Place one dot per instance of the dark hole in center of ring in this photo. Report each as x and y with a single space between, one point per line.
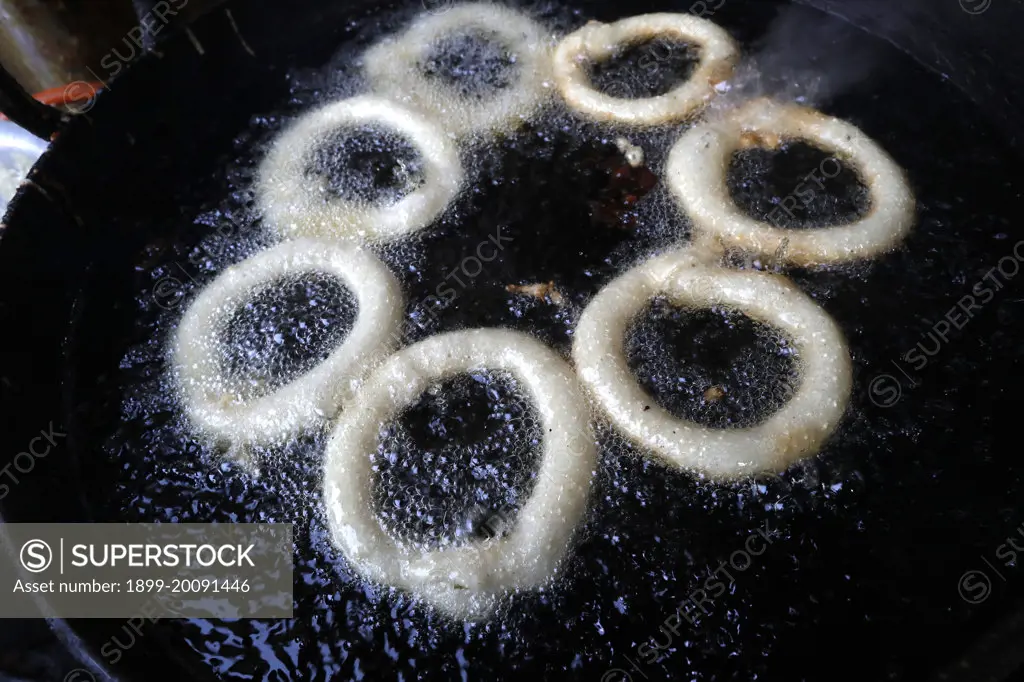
366 163
475 63
645 69
796 185
715 367
284 329
456 466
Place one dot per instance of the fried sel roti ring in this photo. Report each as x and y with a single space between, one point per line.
217 403
395 68
464 581
296 205
796 430
597 42
699 162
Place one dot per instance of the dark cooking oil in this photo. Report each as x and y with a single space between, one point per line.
860 547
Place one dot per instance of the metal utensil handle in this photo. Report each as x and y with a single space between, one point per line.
19 106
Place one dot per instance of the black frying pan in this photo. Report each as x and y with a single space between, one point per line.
873 536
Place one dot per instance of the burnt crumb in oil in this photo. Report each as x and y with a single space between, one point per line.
625 186
648 69
715 367
558 180
797 186
457 464
564 204
286 328
476 63
366 163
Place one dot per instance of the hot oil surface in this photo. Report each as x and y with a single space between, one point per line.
285 329
473 62
456 465
828 192
368 163
648 69
564 208
714 367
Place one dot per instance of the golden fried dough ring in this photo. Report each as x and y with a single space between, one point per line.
696 174
395 68
596 42
296 205
215 402
464 581
797 430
